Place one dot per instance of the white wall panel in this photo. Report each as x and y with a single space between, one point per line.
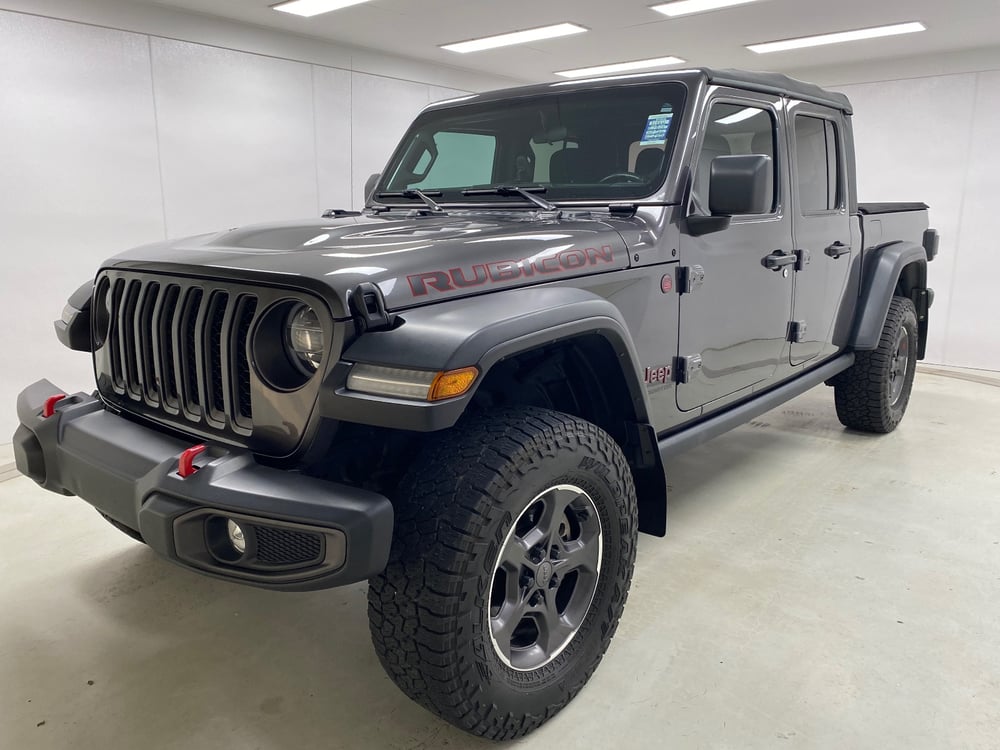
332 97
381 110
79 182
973 335
237 137
440 93
913 145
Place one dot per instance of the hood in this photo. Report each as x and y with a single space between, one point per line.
414 260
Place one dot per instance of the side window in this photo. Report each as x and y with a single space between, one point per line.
733 130
817 164
461 159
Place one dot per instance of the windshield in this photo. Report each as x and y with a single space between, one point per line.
605 145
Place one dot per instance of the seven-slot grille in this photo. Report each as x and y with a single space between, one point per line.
180 347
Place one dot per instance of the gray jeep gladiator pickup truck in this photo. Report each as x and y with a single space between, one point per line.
467 392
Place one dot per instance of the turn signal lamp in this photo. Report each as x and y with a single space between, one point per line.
452 383
418 385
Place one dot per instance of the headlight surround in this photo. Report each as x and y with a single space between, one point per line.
304 339
291 341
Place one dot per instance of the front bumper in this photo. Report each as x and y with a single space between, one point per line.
330 534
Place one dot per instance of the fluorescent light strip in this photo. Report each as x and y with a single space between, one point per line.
515 37
308 8
658 62
622 77
837 38
686 7
743 114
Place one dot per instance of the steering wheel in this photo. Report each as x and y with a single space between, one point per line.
622 177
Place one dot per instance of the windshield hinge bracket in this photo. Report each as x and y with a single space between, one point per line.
624 210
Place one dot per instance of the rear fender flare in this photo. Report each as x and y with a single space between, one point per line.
885 267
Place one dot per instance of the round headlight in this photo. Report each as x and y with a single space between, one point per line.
305 340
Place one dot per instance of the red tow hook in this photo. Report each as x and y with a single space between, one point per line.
50 405
185 464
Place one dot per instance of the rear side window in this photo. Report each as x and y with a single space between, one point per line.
732 130
817 164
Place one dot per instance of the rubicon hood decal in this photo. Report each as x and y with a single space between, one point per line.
414 260
555 260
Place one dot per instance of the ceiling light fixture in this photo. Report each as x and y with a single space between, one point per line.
658 62
515 37
837 37
743 114
687 7
308 8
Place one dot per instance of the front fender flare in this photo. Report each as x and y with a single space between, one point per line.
480 331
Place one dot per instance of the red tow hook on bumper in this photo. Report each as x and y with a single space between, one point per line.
185 464
50 405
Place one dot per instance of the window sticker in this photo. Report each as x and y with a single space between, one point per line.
657 128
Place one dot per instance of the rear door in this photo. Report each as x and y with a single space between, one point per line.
822 229
733 321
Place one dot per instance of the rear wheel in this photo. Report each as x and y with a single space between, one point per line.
872 395
514 547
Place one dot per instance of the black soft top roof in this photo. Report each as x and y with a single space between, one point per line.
768 83
776 83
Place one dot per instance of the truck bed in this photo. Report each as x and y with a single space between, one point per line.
890 222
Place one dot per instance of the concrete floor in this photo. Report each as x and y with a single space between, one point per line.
818 589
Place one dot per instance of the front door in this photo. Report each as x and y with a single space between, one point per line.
733 325
822 228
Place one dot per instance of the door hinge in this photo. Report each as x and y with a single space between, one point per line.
796 331
685 368
802 259
689 278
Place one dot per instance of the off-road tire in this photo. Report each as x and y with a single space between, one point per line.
429 611
127 531
864 392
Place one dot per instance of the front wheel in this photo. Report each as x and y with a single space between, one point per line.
513 552
872 395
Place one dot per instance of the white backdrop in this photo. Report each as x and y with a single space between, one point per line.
111 139
937 139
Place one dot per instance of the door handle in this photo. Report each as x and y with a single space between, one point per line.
837 249
779 259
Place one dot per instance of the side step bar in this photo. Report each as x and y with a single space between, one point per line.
716 424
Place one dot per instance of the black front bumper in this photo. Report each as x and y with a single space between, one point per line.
130 473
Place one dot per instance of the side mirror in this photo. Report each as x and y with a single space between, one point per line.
741 185
370 185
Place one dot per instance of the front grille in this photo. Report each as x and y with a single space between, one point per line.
286 547
179 348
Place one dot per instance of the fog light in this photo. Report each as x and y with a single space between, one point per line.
236 537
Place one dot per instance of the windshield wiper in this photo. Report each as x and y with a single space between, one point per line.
414 193
507 190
